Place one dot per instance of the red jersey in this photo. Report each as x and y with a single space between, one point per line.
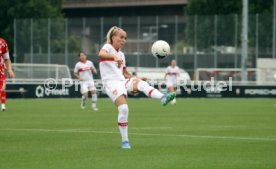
4 54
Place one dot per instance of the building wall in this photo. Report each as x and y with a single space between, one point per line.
97 8
118 3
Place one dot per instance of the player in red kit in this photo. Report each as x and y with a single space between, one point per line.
5 63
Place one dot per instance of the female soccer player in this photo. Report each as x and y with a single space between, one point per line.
118 81
172 72
83 72
5 63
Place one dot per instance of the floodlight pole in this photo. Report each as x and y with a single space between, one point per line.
244 40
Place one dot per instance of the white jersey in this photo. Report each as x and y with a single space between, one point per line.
84 70
110 70
172 73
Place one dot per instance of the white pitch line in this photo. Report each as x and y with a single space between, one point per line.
150 128
237 126
143 134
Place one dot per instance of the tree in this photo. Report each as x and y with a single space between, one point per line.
12 9
228 15
23 9
212 7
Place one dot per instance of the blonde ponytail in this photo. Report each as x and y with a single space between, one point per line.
112 31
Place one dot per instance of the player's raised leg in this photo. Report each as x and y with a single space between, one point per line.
150 91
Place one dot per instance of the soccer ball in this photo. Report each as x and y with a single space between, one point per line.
160 49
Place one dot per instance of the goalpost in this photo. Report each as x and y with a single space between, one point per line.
33 73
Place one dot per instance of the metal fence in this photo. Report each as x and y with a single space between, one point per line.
196 41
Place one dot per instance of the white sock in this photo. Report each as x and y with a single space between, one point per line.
149 90
123 121
94 100
173 101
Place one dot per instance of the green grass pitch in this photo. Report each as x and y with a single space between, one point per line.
194 134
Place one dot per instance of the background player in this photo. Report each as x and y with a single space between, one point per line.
5 63
172 72
114 73
83 71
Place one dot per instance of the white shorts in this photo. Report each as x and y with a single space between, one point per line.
115 89
170 83
87 86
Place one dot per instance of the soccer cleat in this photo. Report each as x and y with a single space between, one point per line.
126 145
95 109
3 107
167 98
173 102
82 104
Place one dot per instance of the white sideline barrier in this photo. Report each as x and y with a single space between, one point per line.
156 73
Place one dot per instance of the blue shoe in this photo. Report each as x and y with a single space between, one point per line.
126 145
167 98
